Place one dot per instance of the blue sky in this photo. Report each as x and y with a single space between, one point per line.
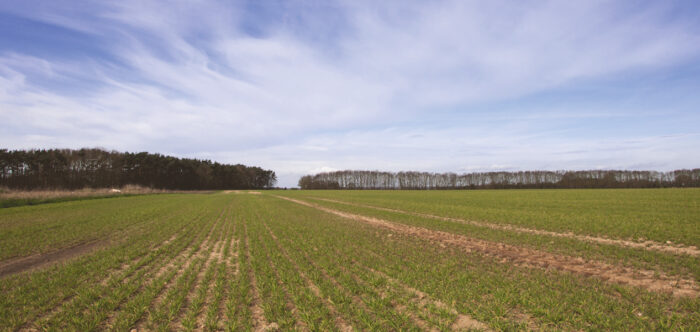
307 86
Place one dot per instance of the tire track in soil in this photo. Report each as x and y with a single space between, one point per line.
645 245
340 322
113 276
160 296
28 263
260 323
650 280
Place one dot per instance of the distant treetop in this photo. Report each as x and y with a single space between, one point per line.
501 180
97 168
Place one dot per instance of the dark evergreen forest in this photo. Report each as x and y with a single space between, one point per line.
501 180
97 168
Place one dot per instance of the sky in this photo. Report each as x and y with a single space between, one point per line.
302 87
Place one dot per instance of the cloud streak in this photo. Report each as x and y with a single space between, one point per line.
446 86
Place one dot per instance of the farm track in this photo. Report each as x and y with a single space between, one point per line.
23 264
525 257
645 245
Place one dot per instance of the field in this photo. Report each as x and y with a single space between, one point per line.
355 260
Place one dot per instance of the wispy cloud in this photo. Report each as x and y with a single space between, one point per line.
449 85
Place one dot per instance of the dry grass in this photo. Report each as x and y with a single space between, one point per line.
6 193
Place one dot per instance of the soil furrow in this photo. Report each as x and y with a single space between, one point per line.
199 283
650 280
212 300
646 245
160 296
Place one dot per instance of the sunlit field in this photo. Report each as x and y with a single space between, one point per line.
355 260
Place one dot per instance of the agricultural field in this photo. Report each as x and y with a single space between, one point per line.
355 260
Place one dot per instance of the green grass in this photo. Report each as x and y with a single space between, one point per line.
190 262
655 214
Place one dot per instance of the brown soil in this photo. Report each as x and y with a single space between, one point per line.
22 264
646 245
196 285
531 258
203 246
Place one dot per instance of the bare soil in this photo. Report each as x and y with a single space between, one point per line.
22 264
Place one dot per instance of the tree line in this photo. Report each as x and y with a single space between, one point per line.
97 168
350 179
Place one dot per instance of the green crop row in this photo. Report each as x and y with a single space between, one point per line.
242 262
498 294
653 214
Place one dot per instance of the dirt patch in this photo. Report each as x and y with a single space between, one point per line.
22 264
646 245
254 192
531 258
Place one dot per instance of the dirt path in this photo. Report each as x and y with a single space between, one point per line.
646 245
22 264
650 280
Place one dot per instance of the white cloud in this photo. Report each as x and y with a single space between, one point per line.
187 79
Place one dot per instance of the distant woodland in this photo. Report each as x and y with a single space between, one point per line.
96 168
501 180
